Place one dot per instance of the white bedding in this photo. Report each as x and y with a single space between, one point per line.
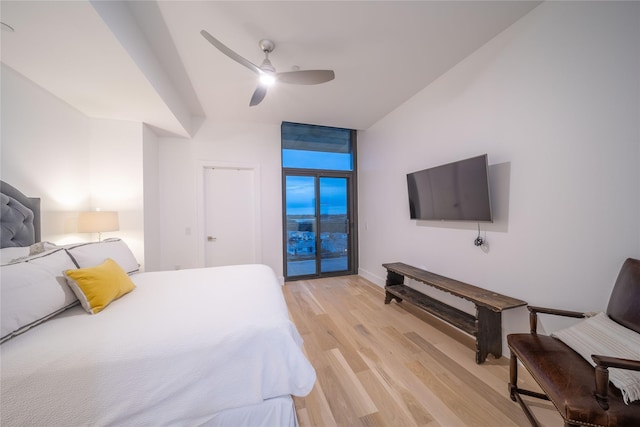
181 347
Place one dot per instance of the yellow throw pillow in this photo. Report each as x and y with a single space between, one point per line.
98 286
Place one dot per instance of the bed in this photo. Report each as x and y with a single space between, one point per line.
208 346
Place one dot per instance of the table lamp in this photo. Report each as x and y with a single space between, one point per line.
98 222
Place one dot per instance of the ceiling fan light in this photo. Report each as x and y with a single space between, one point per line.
267 79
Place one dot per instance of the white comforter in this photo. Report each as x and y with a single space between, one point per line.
179 348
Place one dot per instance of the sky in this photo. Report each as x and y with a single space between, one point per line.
301 197
305 159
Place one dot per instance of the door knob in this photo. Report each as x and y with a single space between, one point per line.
211 238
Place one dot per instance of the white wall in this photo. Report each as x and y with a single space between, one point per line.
73 163
117 178
45 152
181 162
555 102
152 226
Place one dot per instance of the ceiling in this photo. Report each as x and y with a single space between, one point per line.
146 60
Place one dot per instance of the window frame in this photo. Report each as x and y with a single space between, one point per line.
352 210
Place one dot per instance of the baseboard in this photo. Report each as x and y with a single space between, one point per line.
371 277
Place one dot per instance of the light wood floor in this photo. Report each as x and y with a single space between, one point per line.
393 365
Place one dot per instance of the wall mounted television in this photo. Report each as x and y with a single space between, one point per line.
457 191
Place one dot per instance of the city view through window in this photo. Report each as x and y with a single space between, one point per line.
302 225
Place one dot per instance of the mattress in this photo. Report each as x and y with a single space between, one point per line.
182 346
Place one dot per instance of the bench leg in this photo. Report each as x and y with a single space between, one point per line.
489 339
388 296
394 278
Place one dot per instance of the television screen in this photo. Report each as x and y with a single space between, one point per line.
456 191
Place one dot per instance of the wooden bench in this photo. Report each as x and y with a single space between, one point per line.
485 326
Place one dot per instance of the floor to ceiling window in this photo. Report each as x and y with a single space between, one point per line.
319 201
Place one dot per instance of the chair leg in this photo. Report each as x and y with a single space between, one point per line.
513 377
514 391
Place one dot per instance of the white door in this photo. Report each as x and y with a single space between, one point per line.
230 236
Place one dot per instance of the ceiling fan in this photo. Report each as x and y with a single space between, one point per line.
267 72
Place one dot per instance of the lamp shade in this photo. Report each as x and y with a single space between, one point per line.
98 221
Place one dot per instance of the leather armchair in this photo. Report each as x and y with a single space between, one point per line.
581 393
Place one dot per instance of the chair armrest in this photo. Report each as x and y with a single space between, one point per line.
603 363
616 362
533 315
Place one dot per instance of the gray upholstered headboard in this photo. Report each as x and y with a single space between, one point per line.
19 217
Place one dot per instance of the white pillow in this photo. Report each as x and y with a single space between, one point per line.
40 247
12 253
95 253
34 290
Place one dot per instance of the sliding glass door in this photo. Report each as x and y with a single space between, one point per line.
301 219
334 224
318 222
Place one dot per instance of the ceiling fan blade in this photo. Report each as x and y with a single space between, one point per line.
306 77
258 95
231 54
